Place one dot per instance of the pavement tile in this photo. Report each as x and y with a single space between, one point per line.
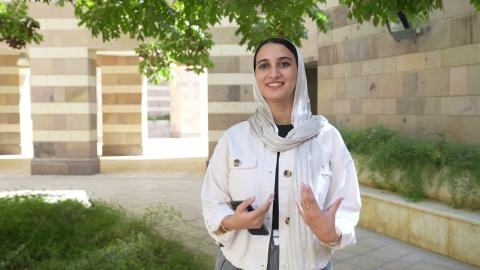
374 243
398 264
358 248
397 250
382 255
427 266
341 255
414 257
364 262
346 266
447 262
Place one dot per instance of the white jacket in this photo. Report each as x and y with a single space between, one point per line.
241 167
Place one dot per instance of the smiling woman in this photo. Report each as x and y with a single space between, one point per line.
276 75
283 181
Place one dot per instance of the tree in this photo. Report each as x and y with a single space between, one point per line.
16 28
176 31
379 12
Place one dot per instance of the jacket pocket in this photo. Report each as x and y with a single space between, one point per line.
321 184
241 178
325 171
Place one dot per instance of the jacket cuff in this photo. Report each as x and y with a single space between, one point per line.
348 234
214 225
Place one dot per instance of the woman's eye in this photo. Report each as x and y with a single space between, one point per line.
262 66
284 64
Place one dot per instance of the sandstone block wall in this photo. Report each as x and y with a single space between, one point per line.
366 78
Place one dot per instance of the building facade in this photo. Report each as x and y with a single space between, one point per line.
358 77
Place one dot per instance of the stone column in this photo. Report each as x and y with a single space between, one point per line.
9 105
230 95
121 105
63 95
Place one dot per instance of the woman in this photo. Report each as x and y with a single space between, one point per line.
291 167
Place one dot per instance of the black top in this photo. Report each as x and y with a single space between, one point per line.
282 132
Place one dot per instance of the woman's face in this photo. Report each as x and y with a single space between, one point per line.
276 73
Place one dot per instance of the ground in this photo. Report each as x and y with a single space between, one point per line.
138 184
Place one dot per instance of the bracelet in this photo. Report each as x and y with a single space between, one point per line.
333 243
224 230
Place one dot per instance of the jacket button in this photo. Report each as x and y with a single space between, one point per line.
287 173
237 162
287 220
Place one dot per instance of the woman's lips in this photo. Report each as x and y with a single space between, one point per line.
275 84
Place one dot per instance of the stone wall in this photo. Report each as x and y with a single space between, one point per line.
121 105
63 95
230 96
365 78
9 105
429 225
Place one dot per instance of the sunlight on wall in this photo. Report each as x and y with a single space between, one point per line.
25 114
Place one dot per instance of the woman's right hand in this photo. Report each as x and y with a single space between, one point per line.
243 219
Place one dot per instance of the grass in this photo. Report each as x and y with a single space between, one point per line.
67 235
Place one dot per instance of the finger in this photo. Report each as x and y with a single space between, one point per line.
243 206
310 196
263 209
304 195
334 207
300 210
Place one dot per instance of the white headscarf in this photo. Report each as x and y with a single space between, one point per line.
301 250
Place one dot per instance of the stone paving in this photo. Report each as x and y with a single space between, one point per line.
138 184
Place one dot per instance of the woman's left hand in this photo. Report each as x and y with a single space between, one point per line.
322 223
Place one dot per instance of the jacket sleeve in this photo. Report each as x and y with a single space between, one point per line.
344 184
215 194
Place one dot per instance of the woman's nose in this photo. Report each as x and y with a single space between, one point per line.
274 72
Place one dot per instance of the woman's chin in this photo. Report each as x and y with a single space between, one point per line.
278 98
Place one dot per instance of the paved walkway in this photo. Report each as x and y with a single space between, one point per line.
138 184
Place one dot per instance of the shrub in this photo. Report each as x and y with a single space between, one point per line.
413 163
67 235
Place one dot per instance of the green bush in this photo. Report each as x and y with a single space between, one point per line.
67 235
413 163
159 117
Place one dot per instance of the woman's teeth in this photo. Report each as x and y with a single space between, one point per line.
275 84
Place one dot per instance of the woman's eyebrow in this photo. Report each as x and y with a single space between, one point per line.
280 58
262 60
285 57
